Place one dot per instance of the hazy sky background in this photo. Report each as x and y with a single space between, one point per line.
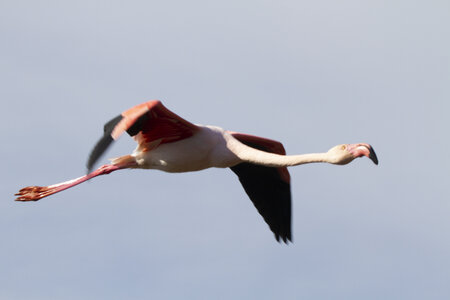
311 74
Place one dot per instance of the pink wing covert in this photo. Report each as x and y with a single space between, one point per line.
150 123
154 121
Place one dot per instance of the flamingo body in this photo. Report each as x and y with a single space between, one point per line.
207 148
169 143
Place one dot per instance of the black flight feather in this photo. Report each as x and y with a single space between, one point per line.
103 143
270 194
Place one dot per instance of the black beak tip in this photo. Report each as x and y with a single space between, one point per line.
373 156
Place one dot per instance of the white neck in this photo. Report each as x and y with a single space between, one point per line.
255 156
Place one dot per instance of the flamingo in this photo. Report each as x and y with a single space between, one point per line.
169 143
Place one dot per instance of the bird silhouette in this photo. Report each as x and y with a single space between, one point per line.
169 143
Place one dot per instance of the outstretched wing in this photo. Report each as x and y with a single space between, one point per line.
150 123
268 188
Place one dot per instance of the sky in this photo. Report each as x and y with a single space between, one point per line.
311 74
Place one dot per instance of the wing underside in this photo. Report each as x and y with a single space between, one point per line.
267 187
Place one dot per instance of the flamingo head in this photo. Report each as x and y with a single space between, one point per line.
345 153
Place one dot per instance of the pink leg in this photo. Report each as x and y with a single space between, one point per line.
35 193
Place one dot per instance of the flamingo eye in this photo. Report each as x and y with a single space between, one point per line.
343 147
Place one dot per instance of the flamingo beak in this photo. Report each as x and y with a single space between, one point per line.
363 149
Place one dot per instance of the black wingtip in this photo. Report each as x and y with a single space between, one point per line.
286 239
103 143
98 150
109 127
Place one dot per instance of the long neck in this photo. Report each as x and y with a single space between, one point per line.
258 157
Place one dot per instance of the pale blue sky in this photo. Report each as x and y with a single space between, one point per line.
311 74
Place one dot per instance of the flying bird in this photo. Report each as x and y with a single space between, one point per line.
169 143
